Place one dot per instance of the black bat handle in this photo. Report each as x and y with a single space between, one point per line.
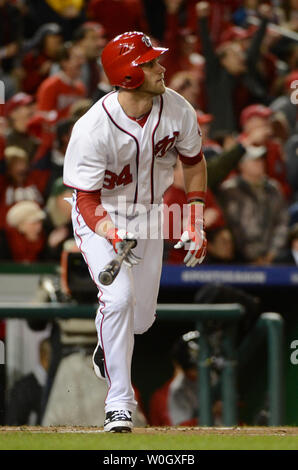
111 270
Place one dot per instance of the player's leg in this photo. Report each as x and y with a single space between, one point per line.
114 319
146 277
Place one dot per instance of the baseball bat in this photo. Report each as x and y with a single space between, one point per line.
111 270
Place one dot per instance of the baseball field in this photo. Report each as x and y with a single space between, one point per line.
174 438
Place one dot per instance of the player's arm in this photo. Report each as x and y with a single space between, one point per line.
195 180
100 222
93 213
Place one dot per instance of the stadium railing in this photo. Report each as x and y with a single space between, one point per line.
270 324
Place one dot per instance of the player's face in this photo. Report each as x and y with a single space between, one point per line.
154 78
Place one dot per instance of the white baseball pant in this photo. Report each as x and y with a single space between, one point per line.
126 307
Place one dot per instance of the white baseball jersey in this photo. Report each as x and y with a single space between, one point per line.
110 152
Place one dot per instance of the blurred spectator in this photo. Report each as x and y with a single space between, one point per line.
186 83
232 77
17 164
67 8
287 107
24 231
291 154
19 111
285 47
91 38
42 52
58 223
290 254
220 247
293 242
183 14
118 16
103 87
239 35
63 132
255 211
25 397
222 164
79 108
32 132
218 293
289 18
182 43
69 14
176 402
248 9
21 182
256 120
10 37
59 91
210 147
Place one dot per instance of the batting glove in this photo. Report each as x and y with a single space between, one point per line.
118 238
194 236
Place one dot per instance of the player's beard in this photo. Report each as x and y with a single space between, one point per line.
154 89
161 87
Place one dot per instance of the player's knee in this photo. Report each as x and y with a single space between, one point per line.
141 327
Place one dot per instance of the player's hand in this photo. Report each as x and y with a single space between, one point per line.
194 236
118 238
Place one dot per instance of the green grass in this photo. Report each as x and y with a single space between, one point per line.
96 441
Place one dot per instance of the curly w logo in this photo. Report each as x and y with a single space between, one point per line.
125 49
165 144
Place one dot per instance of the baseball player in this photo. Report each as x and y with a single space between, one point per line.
124 150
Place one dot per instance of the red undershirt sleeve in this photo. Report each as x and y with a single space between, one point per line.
89 205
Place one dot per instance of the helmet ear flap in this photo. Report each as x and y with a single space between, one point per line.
133 78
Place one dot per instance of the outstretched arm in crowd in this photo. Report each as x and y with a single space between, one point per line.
212 62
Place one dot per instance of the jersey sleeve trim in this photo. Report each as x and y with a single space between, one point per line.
191 160
79 189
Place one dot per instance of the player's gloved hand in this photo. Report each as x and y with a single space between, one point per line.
194 235
118 238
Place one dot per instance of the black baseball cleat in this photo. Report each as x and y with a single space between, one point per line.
99 363
118 421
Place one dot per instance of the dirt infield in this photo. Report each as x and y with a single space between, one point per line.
233 431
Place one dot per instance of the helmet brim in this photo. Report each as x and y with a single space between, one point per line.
150 55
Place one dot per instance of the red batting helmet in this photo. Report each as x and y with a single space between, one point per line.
122 56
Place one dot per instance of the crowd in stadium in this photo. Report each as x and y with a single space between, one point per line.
234 61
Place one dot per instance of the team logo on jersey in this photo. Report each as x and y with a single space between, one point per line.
147 41
165 144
